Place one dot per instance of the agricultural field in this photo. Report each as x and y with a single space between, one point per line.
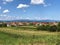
27 36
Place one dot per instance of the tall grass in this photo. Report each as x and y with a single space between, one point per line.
9 36
13 39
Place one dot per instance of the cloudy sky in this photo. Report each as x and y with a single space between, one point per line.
29 9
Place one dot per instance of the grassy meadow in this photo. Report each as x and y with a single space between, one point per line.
27 36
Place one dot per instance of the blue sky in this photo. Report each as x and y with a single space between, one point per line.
29 9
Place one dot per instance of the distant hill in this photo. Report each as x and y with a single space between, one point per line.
26 20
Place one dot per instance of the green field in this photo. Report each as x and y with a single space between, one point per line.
27 36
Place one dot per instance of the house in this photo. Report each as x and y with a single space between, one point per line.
28 23
19 24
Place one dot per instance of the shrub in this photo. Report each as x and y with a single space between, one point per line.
0 25
42 27
58 24
38 27
58 27
3 25
53 28
47 27
31 24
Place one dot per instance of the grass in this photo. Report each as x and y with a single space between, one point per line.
10 36
24 28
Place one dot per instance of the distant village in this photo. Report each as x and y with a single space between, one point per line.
27 23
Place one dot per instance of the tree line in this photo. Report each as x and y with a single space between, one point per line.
53 28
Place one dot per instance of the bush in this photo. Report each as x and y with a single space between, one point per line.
58 24
53 28
0 25
58 27
47 27
42 27
38 27
31 24
3 25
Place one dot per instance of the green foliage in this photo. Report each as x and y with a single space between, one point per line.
58 42
0 25
53 28
58 27
31 24
58 24
3 25
42 27
47 28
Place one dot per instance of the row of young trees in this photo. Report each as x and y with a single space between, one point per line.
54 28
3 25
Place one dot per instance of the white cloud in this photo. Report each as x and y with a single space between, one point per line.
5 1
6 11
0 7
24 10
22 6
37 2
9 17
45 5
2 15
9 0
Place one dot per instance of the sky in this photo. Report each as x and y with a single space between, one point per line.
29 9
